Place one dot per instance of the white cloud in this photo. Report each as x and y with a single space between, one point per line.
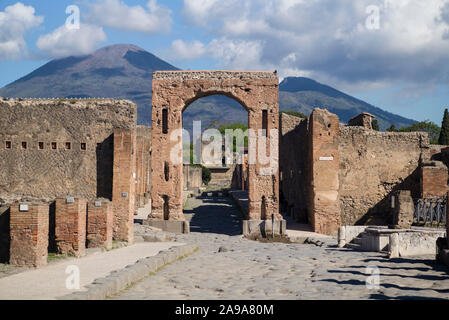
15 22
328 39
64 42
116 14
187 51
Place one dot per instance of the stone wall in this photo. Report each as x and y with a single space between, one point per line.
293 153
434 178
124 184
70 226
323 181
57 148
373 165
29 234
192 177
99 224
173 92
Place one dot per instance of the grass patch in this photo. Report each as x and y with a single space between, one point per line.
56 257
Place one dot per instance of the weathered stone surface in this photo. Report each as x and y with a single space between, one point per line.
100 224
403 210
27 170
434 178
29 234
293 166
324 205
174 92
372 166
70 226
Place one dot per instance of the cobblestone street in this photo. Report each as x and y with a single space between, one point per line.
227 266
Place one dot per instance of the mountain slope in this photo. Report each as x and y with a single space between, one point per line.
124 71
303 95
118 71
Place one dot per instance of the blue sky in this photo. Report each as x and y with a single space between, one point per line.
393 54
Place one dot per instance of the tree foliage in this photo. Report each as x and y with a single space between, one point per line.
424 126
444 135
375 125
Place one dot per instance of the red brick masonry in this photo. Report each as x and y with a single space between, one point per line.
29 234
71 226
99 224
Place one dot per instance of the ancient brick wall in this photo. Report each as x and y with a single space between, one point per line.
124 184
434 178
99 224
70 226
29 234
57 148
293 166
373 165
324 184
173 91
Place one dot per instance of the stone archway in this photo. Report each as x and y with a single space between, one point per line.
173 91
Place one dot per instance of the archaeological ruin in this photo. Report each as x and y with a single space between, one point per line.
73 172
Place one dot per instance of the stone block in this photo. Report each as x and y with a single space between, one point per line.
403 210
171 226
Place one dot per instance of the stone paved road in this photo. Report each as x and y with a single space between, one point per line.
254 270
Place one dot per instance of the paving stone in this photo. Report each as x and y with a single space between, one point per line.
254 270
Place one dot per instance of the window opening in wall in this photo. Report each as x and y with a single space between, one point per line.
164 121
68 145
41 146
166 208
265 122
83 146
166 171
8 145
263 209
24 145
54 145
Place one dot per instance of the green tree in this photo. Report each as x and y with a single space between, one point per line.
375 125
392 128
425 126
234 126
444 135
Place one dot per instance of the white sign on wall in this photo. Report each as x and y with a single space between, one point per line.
326 158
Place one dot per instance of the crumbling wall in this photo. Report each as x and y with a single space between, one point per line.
58 147
143 165
372 166
293 157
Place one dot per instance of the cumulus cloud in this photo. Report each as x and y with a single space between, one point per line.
15 22
116 14
64 42
330 39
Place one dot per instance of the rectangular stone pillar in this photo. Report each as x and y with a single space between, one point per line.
124 184
324 205
29 234
403 209
99 224
70 226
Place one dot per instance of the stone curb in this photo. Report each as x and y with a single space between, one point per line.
117 281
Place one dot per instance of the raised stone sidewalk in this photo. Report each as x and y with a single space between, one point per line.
49 282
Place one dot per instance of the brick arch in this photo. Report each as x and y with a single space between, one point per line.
174 91
208 93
